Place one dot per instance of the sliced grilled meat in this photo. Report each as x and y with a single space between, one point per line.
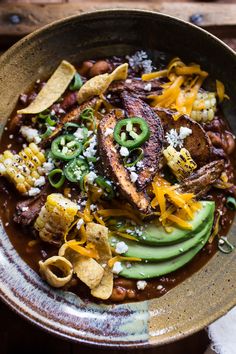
72 116
201 181
28 210
137 87
153 146
198 143
114 167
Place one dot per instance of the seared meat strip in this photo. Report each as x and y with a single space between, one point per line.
197 143
72 116
201 181
137 87
28 210
153 146
113 166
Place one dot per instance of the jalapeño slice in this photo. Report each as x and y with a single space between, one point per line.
66 147
75 169
131 132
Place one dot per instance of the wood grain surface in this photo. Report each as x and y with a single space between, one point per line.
21 19
18 19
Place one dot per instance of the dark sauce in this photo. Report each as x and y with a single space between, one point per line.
31 249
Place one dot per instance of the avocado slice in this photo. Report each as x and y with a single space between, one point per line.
156 235
141 270
155 253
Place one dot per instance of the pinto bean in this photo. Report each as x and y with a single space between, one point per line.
69 100
230 142
118 294
85 67
100 67
215 139
131 294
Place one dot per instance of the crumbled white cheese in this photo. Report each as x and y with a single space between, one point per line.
47 167
124 151
184 132
121 247
91 176
91 149
33 191
177 139
141 284
24 208
79 224
40 181
11 136
117 268
93 207
128 81
80 134
148 87
159 287
139 164
128 265
30 134
133 177
108 131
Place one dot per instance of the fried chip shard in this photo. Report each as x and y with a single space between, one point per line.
98 235
100 83
53 89
87 269
56 270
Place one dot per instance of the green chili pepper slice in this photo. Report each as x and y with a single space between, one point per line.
75 169
47 133
106 186
51 120
76 83
56 178
66 147
87 116
231 203
134 157
131 132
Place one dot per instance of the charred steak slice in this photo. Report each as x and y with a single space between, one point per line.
153 146
113 166
28 209
198 143
72 116
201 181
137 87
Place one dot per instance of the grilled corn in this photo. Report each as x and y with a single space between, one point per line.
180 162
23 170
204 107
55 218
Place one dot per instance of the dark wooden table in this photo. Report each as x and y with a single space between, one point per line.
16 20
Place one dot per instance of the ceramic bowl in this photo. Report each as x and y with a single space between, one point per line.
200 299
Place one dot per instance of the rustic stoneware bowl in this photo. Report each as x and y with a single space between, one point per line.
193 304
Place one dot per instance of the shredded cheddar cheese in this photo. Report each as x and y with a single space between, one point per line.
115 259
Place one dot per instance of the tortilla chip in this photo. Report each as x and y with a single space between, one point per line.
87 269
100 83
47 267
53 89
98 235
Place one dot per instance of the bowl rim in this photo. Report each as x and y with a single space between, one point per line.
10 302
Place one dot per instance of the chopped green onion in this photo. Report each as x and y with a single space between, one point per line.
56 178
71 125
87 115
47 133
231 203
135 152
51 121
106 186
76 83
224 245
44 114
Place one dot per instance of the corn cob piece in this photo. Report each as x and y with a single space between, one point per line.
180 162
55 218
204 107
22 169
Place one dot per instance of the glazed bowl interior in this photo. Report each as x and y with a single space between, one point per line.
194 303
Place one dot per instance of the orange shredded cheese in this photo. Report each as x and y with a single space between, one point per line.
174 206
87 251
118 212
154 75
115 259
